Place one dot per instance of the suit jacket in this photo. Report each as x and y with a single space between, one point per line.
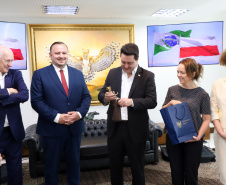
143 93
10 104
48 98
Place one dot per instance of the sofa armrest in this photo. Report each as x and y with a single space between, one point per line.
31 138
155 127
32 143
155 131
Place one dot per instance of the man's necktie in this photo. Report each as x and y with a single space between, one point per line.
63 80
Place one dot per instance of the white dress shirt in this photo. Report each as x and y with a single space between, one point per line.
2 86
125 89
65 70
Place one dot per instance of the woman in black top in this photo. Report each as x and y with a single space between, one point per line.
185 157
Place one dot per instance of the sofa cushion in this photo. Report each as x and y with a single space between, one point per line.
93 147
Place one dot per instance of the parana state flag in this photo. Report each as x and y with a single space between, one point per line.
165 41
189 47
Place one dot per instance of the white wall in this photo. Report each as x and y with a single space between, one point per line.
164 76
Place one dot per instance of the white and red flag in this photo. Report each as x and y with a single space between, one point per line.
14 45
193 47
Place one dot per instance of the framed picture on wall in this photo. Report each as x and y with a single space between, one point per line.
169 44
93 49
13 35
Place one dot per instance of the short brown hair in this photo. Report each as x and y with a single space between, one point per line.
222 59
192 66
58 42
130 49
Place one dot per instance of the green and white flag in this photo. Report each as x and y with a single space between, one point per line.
165 41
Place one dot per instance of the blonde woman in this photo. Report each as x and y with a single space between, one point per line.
218 117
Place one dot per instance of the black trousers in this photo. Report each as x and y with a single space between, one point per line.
119 145
184 161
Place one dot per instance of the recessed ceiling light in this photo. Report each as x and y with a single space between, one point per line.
62 10
169 12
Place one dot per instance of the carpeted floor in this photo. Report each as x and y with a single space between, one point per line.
155 175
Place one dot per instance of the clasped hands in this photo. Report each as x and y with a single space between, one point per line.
69 118
123 102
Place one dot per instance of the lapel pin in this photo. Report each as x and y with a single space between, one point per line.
138 75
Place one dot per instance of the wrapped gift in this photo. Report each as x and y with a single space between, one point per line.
179 123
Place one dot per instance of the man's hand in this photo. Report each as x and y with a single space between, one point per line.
72 117
109 96
62 119
0 159
125 102
12 91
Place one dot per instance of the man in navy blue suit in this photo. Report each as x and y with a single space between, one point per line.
13 91
60 96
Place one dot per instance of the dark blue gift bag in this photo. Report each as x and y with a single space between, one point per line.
178 123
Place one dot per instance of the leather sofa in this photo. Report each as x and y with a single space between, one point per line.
93 152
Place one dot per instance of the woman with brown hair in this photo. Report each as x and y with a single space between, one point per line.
185 157
218 117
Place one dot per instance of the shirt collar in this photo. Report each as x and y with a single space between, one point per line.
58 69
2 76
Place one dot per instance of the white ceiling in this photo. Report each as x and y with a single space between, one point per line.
115 9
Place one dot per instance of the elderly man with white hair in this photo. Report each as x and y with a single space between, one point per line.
13 91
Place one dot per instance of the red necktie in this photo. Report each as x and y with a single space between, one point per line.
63 80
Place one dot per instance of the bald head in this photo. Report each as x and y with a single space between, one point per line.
6 58
6 50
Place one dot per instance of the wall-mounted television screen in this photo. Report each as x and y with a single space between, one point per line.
13 35
169 44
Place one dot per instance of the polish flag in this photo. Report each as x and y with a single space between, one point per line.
14 45
206 46
17 54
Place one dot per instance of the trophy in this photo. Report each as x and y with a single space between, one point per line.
116 115
109 90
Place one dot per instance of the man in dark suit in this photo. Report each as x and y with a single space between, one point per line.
60 96
136 89
13 91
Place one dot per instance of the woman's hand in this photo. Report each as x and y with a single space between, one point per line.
193 140
218 127
172 102
175 102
